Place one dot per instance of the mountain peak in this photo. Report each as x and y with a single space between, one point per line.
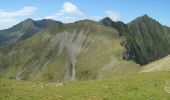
29 19
106 19
28 22
145 15
144 19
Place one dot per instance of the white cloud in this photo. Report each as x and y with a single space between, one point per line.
115 16
71 9
22 12
8 18
68 13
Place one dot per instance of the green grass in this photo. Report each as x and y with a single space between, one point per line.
143 86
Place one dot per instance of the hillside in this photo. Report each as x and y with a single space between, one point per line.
158 65
78 51
147 39
84 50
24 30
143 86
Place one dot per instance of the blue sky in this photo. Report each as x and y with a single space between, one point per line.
14 11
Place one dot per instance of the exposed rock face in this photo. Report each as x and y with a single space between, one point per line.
73 45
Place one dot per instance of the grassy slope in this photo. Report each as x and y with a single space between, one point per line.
38 58
143 86
159 65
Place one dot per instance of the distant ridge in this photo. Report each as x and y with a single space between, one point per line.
24 30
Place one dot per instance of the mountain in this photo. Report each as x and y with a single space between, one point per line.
24 30
120 26
82 50
147 39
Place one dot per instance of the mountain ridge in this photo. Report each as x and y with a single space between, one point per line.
24 30
147 39
75 51
85 50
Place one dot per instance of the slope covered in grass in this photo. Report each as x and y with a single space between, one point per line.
159 65
143 86
78 51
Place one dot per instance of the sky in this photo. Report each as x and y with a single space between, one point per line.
15 11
